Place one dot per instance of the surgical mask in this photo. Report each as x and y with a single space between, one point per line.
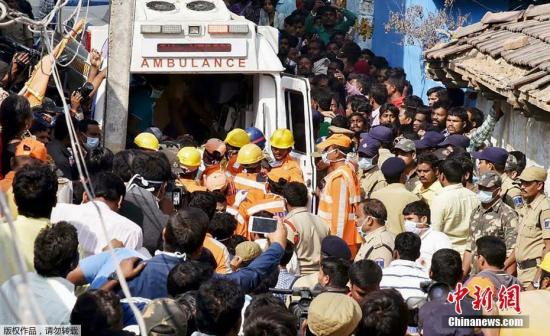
485 196
324 158
365 163
92 143
411 226
156 93
360 231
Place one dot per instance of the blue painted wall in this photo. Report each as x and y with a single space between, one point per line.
410 57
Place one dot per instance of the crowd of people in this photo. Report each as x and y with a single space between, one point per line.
411 197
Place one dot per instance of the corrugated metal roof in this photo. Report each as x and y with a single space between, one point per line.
485 54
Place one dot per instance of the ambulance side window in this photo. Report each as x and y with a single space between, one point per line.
294 105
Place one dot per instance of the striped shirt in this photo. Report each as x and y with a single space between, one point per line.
405 276
85 218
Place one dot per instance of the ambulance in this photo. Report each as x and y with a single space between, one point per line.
217 71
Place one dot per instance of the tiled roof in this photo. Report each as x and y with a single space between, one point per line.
507 53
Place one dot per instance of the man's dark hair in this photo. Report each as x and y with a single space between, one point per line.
123 163
397 82
339 64
521 160
292 40
377 209
493 249
99 160
379 62
35 191
270 321
188 276
263 300
365 274
295 194
384 314
323 97
408 246
205 201
232 242
15 111
360 115
340 121
289 251
108 186
388 107
222 225
379 93
446 267
418 208
219 305
56 250
315 80
152 166
363 107
98 312
477 115
465 159
186 230
459 111
337 270
441 104
83 124
434 90
355 100
429 159
452 170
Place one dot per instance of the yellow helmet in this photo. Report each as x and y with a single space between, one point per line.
282 138
189 157
237 138
250 154
147 141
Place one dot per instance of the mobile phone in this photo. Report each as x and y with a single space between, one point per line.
262 225
176 197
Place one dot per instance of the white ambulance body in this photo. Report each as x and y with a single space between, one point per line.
203 40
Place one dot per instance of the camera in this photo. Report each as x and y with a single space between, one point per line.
85 90
300 308
435 291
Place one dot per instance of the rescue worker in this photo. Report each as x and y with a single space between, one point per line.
371 178
263 200
250 158
281 143
495 158
492 218
256 137
340 193
147 141
189 159
234 141
394 196
379 242
533 241
212 155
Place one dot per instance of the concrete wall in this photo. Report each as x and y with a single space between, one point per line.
410 57
516 132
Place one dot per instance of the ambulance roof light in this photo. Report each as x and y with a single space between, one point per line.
161 29
228 29
171 29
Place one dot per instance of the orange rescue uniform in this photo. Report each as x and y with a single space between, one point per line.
255 202
338 200
290 167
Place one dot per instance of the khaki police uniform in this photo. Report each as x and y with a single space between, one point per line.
378 247
532 230
370 181
510 193
395 198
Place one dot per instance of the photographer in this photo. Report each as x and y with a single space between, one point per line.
146 189
446 271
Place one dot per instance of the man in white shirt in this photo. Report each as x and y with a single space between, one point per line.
109 192
452 207
417 220
51 295
378 95
403 273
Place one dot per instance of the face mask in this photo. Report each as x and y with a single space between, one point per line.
410 226
156 93
365 163
92 143
324 158
485 196
360 231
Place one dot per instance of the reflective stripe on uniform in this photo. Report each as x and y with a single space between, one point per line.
248 183
265 206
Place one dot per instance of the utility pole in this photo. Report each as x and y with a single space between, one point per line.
121 26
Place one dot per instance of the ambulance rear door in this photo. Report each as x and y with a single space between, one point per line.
297 105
